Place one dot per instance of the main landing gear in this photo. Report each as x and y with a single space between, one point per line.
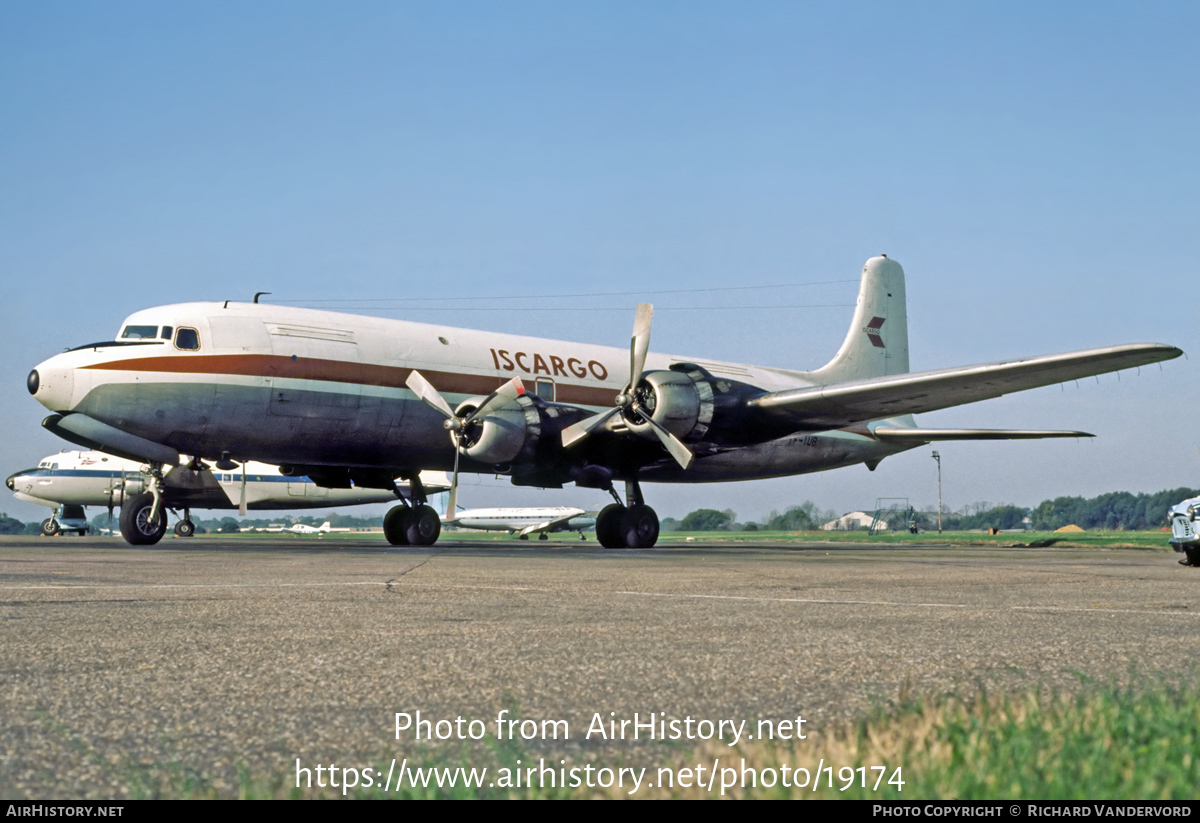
630 526
417 524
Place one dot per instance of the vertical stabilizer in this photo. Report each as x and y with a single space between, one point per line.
877 343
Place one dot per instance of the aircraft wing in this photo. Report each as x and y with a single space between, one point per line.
838 405
548 525
905 435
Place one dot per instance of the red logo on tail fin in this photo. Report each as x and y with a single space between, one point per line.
872 330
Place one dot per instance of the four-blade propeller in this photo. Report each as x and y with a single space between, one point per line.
628 402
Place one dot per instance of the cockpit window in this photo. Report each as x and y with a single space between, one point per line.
187 339
139 333
166 333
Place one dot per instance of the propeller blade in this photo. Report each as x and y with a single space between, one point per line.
452 502
501 397
242 500
577 431
423 389
682 454
639 344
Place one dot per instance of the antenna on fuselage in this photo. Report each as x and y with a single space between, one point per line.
259 294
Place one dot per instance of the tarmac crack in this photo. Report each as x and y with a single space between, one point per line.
388 585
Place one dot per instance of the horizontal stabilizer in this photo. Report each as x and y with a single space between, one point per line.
931 435
838 405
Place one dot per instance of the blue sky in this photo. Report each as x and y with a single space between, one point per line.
1031 165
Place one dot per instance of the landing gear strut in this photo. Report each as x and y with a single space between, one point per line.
412 525
632 526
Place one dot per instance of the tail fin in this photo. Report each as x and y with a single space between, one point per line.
877 343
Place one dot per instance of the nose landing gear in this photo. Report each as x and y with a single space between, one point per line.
143 522
143 516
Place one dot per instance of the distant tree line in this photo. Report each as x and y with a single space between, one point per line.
1115 511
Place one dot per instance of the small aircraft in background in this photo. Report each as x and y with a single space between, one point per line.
524 522
324 528
70 480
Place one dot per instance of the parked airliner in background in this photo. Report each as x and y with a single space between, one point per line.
70 480
348 400
524 522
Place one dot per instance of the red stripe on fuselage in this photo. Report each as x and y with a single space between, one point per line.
339 371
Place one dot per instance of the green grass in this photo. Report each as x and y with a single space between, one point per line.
1138 741
1098 539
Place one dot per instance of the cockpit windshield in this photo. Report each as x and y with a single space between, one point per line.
139 333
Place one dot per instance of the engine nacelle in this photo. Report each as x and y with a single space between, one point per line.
506 435
680 402
130 487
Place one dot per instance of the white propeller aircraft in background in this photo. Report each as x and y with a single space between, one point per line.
70 480
348 400
524 522
324 528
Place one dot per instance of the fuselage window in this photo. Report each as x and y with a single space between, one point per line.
139 333
545 390
166 333
187 339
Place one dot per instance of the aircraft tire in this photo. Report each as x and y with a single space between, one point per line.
395 525
608 526
639 527
49 527
136 527
424 526
185 528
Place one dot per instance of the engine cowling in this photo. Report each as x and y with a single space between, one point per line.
506 435
681 402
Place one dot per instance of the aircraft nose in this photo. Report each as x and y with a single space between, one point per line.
10 482
52 384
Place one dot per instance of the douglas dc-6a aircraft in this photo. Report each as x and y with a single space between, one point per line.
70 480
346 399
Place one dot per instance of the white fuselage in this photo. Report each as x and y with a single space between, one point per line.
564 518
297 386
91 478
